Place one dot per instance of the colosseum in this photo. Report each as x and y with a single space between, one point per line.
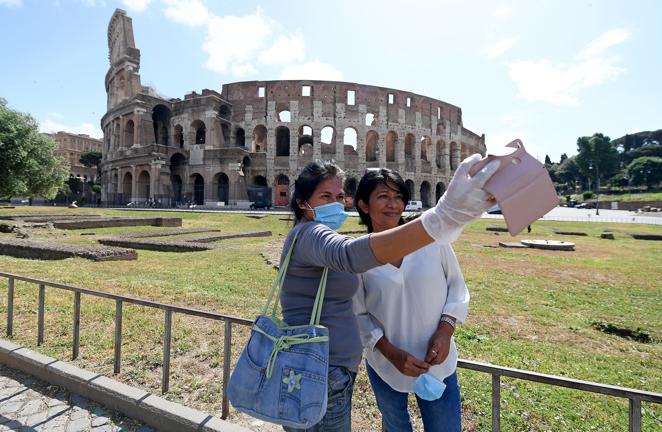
212 148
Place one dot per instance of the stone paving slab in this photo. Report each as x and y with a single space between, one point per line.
29 404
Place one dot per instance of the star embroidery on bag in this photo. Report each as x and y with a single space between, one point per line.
293 381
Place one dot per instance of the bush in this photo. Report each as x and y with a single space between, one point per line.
587 195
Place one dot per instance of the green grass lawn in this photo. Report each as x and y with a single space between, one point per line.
530 309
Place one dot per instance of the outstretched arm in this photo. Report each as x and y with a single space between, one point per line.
464 201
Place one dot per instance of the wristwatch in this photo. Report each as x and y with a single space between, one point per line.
446 319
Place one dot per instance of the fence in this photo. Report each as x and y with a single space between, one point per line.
634 396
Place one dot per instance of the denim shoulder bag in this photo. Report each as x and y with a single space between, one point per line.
281 376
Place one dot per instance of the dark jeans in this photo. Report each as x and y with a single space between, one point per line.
441 415
338 417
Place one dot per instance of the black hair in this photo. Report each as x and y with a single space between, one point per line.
367 185
312 175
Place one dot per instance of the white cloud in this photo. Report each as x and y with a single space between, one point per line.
312 70
52 126
188 12
237 44
285 50
11 3
502 11
499 47
233 42
559 84
602 43
136 5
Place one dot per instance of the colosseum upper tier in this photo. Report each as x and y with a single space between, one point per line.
212 147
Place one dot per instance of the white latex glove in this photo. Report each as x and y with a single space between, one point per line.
463 201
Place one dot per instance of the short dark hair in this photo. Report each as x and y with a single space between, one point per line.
312 175
369 182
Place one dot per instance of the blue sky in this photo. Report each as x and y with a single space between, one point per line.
544 71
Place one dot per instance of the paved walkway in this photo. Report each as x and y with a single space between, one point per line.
28 404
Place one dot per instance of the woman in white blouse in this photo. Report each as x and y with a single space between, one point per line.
407 311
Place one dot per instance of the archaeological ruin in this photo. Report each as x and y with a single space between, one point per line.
214 147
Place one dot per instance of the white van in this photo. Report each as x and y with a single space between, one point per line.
414 206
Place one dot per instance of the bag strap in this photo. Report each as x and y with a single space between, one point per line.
277 287
278 282
319 299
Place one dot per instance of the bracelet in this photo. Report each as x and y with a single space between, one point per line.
447 320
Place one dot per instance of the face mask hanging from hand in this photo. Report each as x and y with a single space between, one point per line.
428 387
332 215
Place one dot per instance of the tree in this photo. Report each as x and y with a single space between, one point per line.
90 159
620 180
27 163
568 172
548 161
563 158
645 171
596 157
650 150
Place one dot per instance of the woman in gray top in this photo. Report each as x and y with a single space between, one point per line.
318 206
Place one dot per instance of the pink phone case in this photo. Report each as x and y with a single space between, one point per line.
521 186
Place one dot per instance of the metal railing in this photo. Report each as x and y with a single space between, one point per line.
168 310
634 396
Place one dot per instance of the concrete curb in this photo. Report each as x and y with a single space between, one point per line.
130 401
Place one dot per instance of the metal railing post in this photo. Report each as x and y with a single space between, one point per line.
76 329
496 402
165 380
10 307
117 357
40 314
634 417
227 356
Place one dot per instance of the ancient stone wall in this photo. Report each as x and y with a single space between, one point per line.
209 148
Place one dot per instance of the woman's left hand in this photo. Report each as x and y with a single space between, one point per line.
438 346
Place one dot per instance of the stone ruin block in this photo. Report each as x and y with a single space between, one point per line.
36 249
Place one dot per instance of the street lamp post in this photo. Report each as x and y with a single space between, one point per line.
597 182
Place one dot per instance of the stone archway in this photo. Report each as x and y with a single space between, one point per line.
425 194
142 192
412 189
127 187
198 189
439 190
223 188
176 182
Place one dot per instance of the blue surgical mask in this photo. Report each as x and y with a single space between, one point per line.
332 215
428 387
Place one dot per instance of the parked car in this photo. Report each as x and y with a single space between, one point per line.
261 204
494 210
414 206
